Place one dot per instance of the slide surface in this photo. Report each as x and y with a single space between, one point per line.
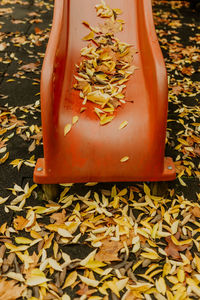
90 152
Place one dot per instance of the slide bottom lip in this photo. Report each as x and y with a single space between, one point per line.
42 176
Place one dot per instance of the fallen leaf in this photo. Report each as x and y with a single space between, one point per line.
90 282
195 211
67 128
59 217
20 223
84 290
173 250
29 67
109 251
124 159
71 278
4 158
36 278
9 290
123 124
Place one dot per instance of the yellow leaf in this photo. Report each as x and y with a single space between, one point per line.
15 276
195 124
147 190
151 268
136 247
16 162
35 235
152 244
140 287
172 279
115 202
4 158
182 182
90 282
112 285
30 190
48 241
135 266
89 36
118 11
161 285
54 264
150 255
93 264
75 120
166 269
52 227
174 227
124 159
106 119
14 248
88 258
180 243
170 295
3 200
123 124
154 231
98 97
64 233
91 183
197 261
122 193
155 273
121 284
37 277
142 232
196 290
101 78
182 142
67 128
167 218
71 278
55 249
181 274
23 240
3 228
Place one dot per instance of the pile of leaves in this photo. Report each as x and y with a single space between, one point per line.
107 65
140 245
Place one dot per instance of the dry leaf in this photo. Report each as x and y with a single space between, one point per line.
124 159
123 124
36 277
67 128
4 158
195 211
9 290
75 119
90 282
29 67
109 251
59 217
64 233
71 278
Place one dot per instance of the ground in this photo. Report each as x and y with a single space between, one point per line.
104 241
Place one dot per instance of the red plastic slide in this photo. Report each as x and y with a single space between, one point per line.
90 152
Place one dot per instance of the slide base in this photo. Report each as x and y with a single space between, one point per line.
42 176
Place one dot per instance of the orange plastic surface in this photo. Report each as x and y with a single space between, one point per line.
91 152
